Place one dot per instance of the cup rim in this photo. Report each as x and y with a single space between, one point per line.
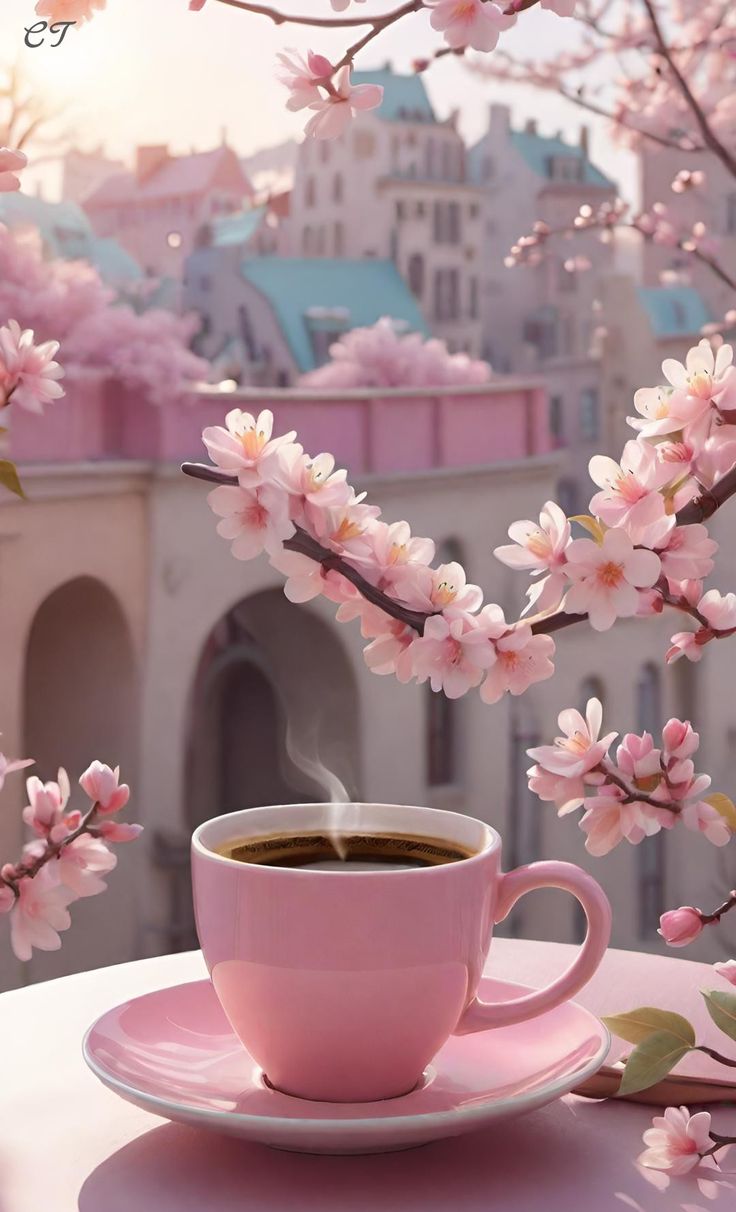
492 845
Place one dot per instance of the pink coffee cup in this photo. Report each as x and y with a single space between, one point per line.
343 985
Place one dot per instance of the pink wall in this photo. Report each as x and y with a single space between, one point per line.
396 431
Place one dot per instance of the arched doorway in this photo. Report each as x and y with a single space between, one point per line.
80 697
268 665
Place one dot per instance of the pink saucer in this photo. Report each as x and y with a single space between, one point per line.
174 1053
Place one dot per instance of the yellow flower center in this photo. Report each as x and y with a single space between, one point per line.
253 440
700 385
577 743
397 554
610 575
443 594
347 530
538 544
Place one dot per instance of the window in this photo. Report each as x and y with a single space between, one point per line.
415 274
589 414
364 144
319 242
438 222
310 192
324 151
446 302
473 300
489 168
567 495
421 210
556 422
650 854
205 282
441 739
307 245
731 214
453 223
429 158
565 168
339 242
400 209
447 162
473 210
337 188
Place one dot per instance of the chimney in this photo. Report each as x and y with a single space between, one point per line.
499 118
530 126
585 140
149 160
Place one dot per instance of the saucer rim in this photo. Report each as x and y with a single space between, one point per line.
429 1119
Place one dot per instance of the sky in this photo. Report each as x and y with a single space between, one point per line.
148 71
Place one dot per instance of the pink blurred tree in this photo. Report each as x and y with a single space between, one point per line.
380 356
66 301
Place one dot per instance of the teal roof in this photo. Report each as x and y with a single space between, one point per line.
674 311
234 230
66 233
296 287
539 152
404 97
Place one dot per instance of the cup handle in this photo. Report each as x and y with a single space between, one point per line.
513 884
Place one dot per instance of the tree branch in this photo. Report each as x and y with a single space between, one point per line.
698 510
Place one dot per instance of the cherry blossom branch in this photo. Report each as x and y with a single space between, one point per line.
717 914
633 794
52 851
698 510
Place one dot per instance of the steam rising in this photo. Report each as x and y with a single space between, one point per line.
344 815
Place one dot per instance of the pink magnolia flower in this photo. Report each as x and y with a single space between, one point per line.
638 760
676 1141
103 786
11 162
540 547
46 804
39 913
302 76
28 373
679 927
610 819
245 445
727 969
473 23
254 519
688 644
335 112
69 10
444 589
521 657
679 740
9 766
118 831
580 750
701 817
82 863
686 553
718 609
626 487
452 654
606 578
566 794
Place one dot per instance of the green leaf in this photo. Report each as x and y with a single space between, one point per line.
652 1060
637 1025
722 1009
592 525
725 807
9 477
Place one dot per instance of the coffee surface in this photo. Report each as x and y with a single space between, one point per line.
320 850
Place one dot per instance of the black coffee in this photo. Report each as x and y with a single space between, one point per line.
319 850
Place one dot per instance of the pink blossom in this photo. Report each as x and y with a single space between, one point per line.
606 578
392 650
626 487
688 644
452 654
679 740
76 11
718 609
103 786
245 445
679 927
473 23
39 913
11 162
393 548
255 519
383 356
7 898
8 766
444 589
701 817
540 548
305 578
118 831
82 863
677 1140
686 553
335 112
579 751
727 969
302 75
521 657
28 373
312 482
563 8
45 810
687 404
637 758
705 375
609 819
566 794
347 529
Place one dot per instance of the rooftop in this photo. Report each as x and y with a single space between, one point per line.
66 233
674 311
298 289
405 98
542 153
175 177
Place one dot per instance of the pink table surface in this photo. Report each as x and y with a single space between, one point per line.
69 1145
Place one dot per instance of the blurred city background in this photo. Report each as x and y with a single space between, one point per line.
128 633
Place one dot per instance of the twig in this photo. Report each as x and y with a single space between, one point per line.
717 914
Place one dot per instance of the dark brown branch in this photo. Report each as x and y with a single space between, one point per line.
722 1060
717 914
698 510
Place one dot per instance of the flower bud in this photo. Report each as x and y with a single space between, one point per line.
679 927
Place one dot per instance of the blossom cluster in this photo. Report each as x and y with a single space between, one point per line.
644 789
68 856
281 495
29 376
